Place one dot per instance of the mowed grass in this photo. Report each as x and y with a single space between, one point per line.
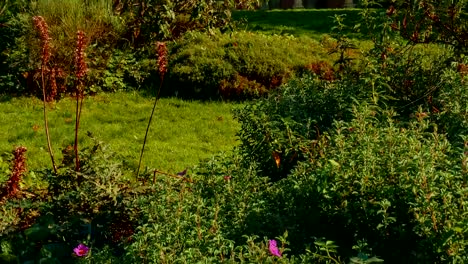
182 132
313 23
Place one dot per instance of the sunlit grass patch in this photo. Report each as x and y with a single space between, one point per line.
182 132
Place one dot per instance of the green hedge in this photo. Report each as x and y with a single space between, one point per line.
241 64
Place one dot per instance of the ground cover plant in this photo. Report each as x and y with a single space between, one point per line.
364 167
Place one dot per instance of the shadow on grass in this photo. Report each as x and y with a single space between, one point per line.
5 98
299 22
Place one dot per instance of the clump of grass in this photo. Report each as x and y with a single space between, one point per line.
103 30
68 16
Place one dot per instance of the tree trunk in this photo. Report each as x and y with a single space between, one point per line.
309 3
349 3
335 3
286 4
298 4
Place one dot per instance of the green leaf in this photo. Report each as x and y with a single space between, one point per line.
334 163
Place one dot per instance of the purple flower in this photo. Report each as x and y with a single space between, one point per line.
81 250
274 248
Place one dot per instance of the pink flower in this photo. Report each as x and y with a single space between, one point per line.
81 250
274 248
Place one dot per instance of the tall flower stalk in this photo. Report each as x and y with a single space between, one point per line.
17 173
80 73
161 49
43 29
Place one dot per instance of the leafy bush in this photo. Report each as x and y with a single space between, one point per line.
240 64
407 74
14 54
384 184
275 131
425 21
92 206
208 216
149 21
196 220
400 189
452 103
215 215
119 71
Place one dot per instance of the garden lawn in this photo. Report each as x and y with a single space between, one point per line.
313 23
182 132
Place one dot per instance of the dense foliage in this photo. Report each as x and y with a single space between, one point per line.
241 64
365 166
120 34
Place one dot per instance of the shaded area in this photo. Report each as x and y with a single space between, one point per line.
311 23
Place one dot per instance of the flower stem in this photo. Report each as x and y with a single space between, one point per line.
46 123
79 106
148 127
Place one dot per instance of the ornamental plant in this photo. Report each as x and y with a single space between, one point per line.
81 250
80 73
162 69
274 248
43 30
12 186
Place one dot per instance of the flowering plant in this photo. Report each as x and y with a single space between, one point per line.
274 248
81 250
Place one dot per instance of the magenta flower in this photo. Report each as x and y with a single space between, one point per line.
274 248
81 250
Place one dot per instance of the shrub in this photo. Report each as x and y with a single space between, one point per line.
14 54
386 178
407 74
201 219
240 64
92 206
386 185
275 131
398 188
212 216
150 21
451 105
119 70
426 21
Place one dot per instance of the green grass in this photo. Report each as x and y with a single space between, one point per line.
313 23
182 132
